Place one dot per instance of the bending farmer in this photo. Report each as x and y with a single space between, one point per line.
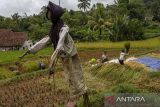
122 57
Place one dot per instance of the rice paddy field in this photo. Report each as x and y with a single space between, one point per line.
149 44
25 85
145 44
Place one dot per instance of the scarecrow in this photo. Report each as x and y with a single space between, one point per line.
66 51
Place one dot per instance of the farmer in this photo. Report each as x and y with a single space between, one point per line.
66 51
104 57
122 57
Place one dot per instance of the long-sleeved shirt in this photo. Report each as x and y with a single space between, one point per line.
122 56
65 44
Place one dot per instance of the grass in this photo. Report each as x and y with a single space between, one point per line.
33 92
23 77
4 73
155 74
96 100
144 44
9 56
123 79
30 66
117 73
135 75
12 56
33 65
124 88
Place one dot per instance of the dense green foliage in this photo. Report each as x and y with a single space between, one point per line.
123 20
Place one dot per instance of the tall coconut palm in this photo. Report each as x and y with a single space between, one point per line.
98 24
15 16
84 4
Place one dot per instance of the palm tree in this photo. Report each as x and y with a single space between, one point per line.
99 24
84 4
15 16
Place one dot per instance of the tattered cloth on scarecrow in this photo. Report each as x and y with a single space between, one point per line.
65 49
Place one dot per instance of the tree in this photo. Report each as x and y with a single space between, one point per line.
122 2
156 10
98 20
123 20
100 10
124 28
99 24
84 4
15 16
136 10
2 18
43 10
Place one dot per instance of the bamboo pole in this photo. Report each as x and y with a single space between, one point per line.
59 2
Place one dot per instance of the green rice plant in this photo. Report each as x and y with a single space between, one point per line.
30 66
154 74
33 65
5 73
96 100
94 70
124 88
127 46
154 43
31 93
118 73
23 77
13 56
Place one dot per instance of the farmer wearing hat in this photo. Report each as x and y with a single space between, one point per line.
66 51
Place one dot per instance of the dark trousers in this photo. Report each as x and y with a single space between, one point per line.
121 62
